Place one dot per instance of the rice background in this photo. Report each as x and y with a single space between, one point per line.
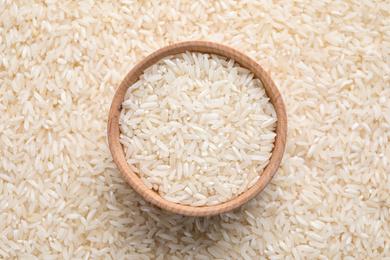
61 195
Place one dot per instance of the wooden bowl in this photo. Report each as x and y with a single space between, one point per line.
202 47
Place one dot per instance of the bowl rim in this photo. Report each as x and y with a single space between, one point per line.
113 131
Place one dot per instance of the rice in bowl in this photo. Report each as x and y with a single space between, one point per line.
197 128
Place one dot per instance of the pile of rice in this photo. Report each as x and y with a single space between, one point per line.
197 128
61 195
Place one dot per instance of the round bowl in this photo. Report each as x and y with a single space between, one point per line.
133 179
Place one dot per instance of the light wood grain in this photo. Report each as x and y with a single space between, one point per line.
203 47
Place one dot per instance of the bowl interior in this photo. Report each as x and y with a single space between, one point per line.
133 179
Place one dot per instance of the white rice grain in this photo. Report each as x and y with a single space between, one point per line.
60 63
